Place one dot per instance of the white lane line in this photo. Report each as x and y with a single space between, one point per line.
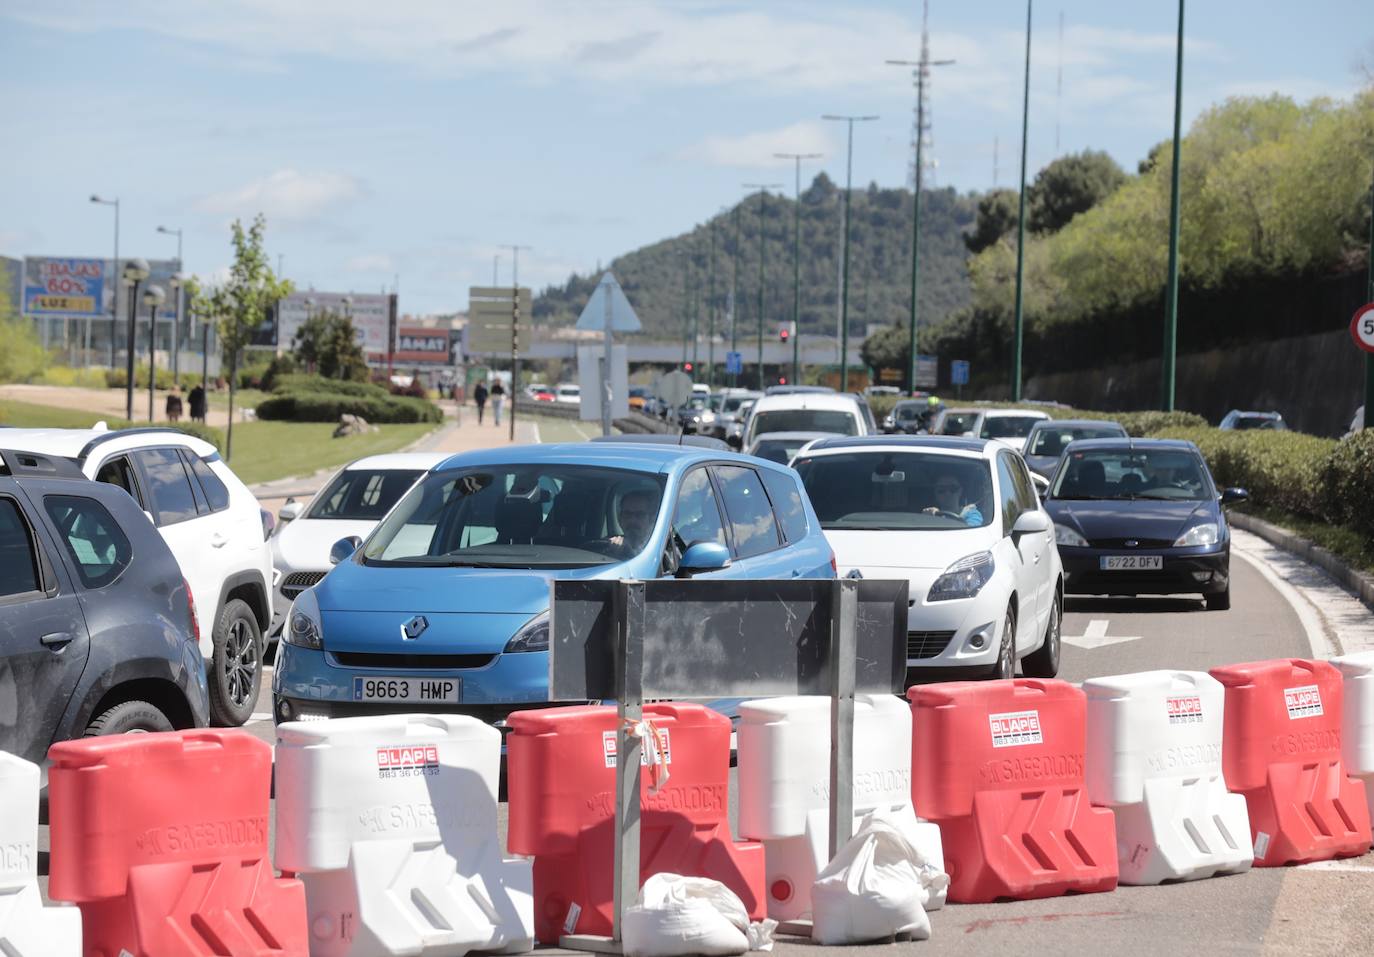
538 440
1321 643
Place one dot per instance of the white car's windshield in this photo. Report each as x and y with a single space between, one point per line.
897 490
1132 474
1007 426
957 423
521 516
804 420
362 494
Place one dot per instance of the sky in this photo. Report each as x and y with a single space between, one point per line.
403 143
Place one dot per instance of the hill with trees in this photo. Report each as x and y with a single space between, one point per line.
669 280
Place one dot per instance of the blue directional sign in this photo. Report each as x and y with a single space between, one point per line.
734 362
958 372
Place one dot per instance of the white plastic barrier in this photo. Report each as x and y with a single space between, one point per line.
27 928
390 821
1154 757
1357 719
784 787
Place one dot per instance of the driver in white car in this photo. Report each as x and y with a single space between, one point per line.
948 496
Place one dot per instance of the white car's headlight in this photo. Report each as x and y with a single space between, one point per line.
303 623
1204 534
1063 535
534 636
964 579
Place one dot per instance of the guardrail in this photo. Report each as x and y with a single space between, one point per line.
633 424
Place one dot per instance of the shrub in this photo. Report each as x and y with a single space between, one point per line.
326 407
1141 424
119 379
92 378
1347 477
279 366
1279 469
299 383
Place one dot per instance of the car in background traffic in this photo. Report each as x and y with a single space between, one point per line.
1237 421
568 393
872 390
533 390
959 519
695 416
352 502
97 624
1009 426
731 411
808 412
909 417
445 606
782 447
213 525
1048 437
1142 517
734 433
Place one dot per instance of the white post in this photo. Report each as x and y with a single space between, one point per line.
606 389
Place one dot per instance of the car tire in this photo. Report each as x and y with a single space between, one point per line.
1044 662
1005 666
130 717
235 667
1219 601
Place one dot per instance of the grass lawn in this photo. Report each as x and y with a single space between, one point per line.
262 450
243 399
564 430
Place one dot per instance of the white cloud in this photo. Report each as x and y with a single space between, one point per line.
285 196
371 262
755 150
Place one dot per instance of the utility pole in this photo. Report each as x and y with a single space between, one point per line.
1021 224
1171 292
696 330
515 329
763 189
844 282
734 295
711 309
796 264
117 279
920 73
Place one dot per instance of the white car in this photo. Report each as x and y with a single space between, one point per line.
350 505
1008 426
959 519
213 525
568 394
832 412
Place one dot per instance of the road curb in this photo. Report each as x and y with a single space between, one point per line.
1352 580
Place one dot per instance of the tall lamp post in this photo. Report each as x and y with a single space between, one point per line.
1018 334
763 189
135 271
177 280
796 264
153 297
1171 294
844 281
116 276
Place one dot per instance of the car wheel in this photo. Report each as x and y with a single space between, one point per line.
235 666
1219 601
1044 662
1005 668
131 717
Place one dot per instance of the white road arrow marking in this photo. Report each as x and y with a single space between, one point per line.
1095 636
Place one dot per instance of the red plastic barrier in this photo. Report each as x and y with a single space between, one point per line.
162 841
1281 748
561 774
999 766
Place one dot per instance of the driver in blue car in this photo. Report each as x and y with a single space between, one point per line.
948 496
636 513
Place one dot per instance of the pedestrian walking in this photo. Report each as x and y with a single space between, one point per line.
174 405
498 397
197 402
479 396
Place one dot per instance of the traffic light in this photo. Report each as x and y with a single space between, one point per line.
686 367
782 333
782 380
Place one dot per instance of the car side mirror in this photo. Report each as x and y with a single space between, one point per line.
1234 496
704 557
1042 484
290 511
343 548
1030 523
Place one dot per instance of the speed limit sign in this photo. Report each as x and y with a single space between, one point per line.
1362 327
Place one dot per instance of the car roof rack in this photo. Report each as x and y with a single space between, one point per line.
21 464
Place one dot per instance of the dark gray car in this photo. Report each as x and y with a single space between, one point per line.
1048 437
97 631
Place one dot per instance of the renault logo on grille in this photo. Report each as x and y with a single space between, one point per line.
1131 543
414 628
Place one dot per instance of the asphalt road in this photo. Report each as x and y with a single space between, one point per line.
1318 909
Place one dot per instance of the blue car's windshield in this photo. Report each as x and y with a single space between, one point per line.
546 515
1172 474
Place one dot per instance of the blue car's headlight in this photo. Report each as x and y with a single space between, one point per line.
964 579
303 623
534 636
1203 534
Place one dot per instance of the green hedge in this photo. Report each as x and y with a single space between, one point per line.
1347 482
323 407
119 378
296 383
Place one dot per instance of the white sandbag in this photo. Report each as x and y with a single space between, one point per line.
676 916
877 886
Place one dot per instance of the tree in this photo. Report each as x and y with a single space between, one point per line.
1071 185
996 218
241 302
23 356
327 343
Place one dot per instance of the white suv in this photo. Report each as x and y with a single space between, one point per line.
960 520
213 525
350 504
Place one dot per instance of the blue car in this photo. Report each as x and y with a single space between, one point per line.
445 606
1141 517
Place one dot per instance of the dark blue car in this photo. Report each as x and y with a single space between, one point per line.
1141 517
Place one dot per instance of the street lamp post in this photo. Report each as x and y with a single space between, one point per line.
115 274
177 280
734 293
763 189
711 309
1171 294
135 271
1018 335
844 282
796 264
153 297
